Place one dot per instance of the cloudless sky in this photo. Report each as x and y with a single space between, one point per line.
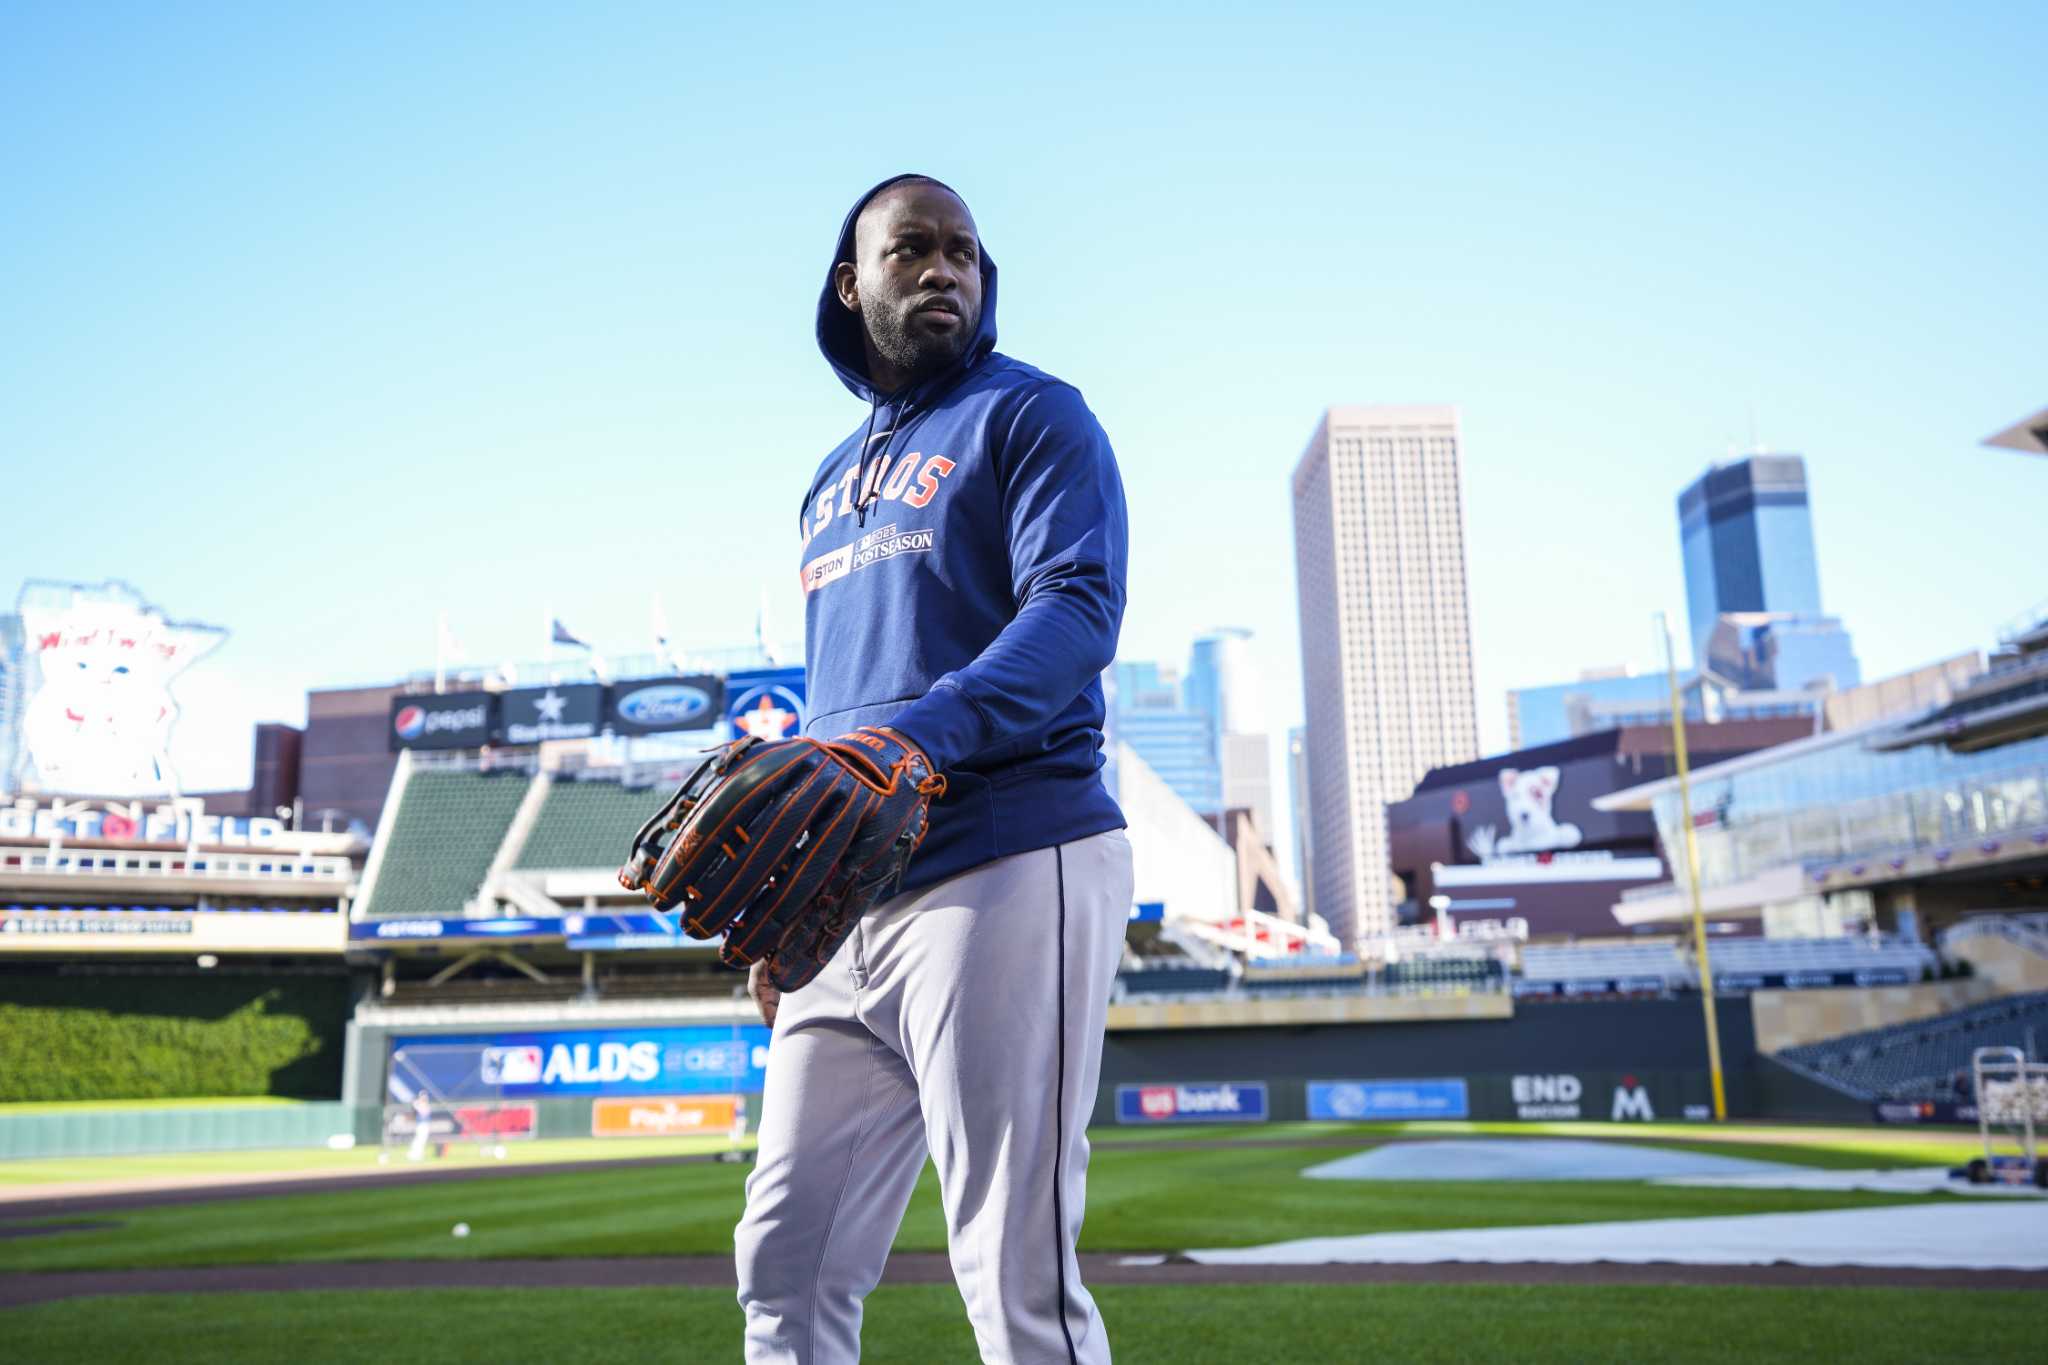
317 320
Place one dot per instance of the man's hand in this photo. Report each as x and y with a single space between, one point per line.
763 991
907 742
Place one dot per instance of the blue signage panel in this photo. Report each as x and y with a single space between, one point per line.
649 1061
653 706
1202 1102
402 930
767 703
645 929
1437 1099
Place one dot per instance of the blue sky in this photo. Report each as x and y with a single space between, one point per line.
318 323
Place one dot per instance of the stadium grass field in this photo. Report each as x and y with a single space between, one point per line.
923 1324
33 1175
1140 1199
1149 1191
1847 1148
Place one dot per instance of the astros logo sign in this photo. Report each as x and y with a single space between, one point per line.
767 711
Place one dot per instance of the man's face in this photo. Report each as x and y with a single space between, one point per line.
916 280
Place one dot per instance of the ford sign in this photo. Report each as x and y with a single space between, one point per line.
665 704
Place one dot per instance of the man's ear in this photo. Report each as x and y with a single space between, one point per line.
845 281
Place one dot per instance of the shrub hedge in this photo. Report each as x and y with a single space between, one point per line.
168 1037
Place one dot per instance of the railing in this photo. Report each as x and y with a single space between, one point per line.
1368 985
2025 623
202 866
2012 930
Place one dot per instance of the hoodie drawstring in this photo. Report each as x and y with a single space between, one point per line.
909 417
861 480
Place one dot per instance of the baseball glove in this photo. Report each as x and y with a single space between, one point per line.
782 846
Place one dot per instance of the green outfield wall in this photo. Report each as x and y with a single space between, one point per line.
108 1035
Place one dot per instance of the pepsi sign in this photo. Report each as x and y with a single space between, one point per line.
767 703
450 720
1204 1102
652 706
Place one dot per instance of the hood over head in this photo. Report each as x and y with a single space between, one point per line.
839 328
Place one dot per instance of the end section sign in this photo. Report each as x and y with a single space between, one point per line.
1442 1099
1202 1102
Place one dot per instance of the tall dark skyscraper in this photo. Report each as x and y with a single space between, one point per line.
1747 532
1746 529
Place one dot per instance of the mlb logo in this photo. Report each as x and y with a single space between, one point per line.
511 1066
1157 1101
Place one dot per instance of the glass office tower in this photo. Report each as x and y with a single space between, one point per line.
1747 533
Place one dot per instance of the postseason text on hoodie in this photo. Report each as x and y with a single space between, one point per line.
963 572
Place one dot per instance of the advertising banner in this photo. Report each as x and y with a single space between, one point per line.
78 929
1432 1099
400 930
451 720
471 1122
648 1061
631 930
534 715
1200 1102
1798 981
133 823
666 1115
767 703
653 706
97 665
1925 1111
644 929
500 1121
1615 1097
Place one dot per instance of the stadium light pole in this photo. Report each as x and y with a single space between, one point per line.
1692 873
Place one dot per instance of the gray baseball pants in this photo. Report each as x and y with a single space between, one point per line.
964 1020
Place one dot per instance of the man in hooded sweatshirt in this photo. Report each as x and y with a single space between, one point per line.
963 571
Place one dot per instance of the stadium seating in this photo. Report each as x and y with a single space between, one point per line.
1171 976
587 824
1792 957
482 990
447 829
702 985
1921 1058
1304 975
1630 966
1441 975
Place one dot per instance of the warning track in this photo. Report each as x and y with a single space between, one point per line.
716 1272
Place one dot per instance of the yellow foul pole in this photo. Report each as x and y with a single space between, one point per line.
1692 873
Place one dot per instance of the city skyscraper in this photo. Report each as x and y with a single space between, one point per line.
1746 532
1223 683
1297 796
1144 710
1746 528
1386 647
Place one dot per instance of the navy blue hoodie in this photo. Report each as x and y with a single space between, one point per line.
969 591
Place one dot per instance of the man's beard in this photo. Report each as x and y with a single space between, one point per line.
918 353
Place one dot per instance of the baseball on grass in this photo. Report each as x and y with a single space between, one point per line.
461 1229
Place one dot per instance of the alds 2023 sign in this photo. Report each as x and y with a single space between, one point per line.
654 1061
